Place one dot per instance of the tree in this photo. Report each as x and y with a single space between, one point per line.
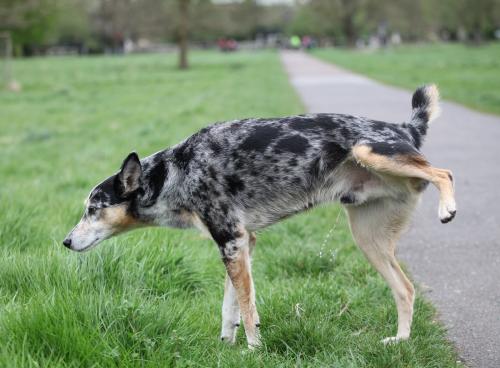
29 22
14 17
183 33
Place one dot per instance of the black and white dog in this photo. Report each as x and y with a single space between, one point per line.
233 178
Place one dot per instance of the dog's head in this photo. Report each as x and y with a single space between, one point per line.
109 209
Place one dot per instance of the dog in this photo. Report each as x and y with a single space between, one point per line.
233 178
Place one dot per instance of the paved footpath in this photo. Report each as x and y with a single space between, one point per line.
458 264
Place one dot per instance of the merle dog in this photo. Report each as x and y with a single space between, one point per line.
233 178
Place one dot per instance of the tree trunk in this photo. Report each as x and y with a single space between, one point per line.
7 72
350 30
183 33
10 83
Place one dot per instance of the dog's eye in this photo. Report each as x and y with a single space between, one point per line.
91 210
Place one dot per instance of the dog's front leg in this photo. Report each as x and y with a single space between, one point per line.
236 256
230 307
230 313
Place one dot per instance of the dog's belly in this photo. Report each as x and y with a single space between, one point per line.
350 184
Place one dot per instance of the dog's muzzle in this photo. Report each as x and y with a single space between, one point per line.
67 243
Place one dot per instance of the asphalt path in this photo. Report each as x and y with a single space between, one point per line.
457 264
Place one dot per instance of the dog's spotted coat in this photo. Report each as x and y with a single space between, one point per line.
233 178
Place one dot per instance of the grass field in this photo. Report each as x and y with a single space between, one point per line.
152 298
466 74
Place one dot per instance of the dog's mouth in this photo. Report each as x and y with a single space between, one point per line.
89 247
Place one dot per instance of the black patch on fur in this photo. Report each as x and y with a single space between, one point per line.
423 115
234 184
326 121
215 147
322 121
184 154
421 101
221 236
301 123
107 193
419 98
224 208
346 133
348 198
390 149
378 125
155 179
415 134
334 154
295 144
315 170
238 165
260 138
212 173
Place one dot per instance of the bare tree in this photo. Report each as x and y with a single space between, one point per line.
183 33
12 17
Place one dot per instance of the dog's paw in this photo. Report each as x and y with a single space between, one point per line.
254 346
231 340
447 211
393 340
254 343
228 333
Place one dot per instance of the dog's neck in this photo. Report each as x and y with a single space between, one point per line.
162 201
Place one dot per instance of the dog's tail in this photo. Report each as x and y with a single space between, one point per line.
425 108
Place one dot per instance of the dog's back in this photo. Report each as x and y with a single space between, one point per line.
268 169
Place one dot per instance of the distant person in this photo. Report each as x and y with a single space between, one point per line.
295 42
307 42
227 44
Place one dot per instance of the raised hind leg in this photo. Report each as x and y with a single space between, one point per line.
402 160
376 227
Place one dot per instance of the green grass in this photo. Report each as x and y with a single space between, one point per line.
152 298
469 75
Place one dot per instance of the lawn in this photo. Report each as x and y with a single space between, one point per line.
152 298
469 75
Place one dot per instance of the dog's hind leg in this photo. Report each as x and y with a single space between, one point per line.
404 161
376 227
230 307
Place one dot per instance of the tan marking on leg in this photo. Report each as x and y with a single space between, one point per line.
251 242
230 307
412 166
239 270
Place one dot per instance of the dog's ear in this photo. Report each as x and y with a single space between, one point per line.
129 177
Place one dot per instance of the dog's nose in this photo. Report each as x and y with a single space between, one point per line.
67 242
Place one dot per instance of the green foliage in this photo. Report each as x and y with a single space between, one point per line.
152 298
30 22
347 20
105 24
466 74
